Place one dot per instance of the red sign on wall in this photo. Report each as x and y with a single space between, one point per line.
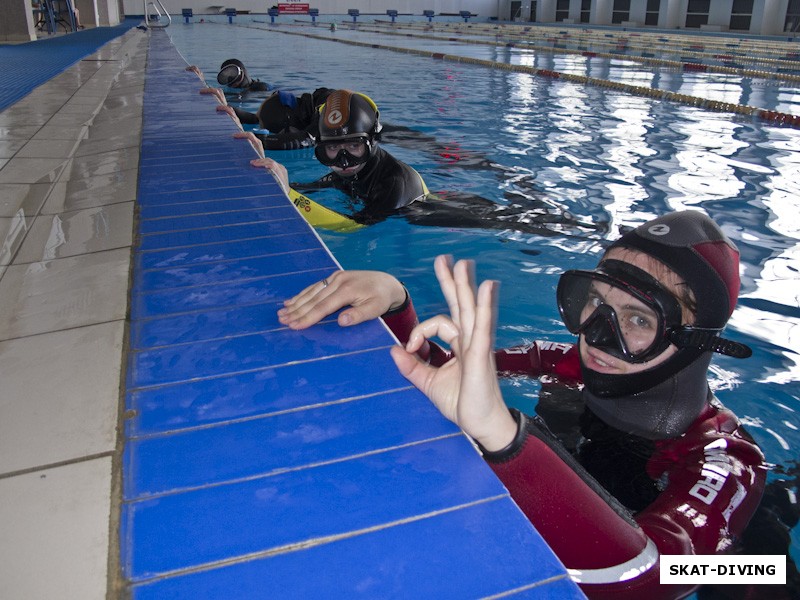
293 9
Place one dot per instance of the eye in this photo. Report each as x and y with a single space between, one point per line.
593 300
641 321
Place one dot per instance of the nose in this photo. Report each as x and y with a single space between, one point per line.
600 329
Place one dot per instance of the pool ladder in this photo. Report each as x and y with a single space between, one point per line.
153 12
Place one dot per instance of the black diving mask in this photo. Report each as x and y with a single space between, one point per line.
626 313
343 153
233 76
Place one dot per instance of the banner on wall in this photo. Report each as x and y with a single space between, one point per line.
293 9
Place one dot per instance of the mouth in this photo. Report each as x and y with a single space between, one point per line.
599 361
347 171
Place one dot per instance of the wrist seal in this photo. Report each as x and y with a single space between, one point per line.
516 445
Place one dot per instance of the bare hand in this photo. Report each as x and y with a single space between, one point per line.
218 93
465 389
196 71
254 142
277 169
368 293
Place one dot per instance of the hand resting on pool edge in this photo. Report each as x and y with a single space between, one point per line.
368 294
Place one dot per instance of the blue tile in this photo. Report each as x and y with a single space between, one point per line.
267 445
301 505
160 176
155 167
218 193
181 209
293 223
173 364
199 182
188 255
271 390
201 297
204 325
444 556
203 221
232 270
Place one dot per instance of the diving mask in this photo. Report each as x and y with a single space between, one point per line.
343 153
626 313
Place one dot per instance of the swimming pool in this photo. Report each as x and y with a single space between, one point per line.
578 162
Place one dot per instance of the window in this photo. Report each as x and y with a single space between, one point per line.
586 10
697 13
741 13
653 9
621 11
516 8
562 10
792 22
533 11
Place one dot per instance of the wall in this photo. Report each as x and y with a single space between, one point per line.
483 8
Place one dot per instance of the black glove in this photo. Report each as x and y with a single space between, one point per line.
286 140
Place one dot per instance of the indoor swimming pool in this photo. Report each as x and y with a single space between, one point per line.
566 165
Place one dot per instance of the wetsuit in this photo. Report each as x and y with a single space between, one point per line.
384 185
692 495
296 127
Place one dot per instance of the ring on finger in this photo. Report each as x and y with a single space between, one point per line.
325 283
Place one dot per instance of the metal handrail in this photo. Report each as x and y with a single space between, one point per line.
159 11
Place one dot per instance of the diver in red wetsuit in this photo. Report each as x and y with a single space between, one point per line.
658 465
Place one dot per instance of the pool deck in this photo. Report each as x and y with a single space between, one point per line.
161 435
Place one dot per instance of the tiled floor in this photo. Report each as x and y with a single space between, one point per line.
255 461
66 225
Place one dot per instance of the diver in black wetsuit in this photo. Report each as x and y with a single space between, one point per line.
233 74
348 131
292 121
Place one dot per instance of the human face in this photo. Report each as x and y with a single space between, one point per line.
356 148
344 157
636 319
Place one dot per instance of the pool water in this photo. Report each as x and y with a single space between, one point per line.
573 164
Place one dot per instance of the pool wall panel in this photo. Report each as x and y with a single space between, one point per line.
265 462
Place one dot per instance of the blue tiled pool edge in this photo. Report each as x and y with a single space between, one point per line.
264 462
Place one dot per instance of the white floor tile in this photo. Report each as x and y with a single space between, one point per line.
59 396
94 191
31 170
77 232
27 198
55 526
12 233
64 293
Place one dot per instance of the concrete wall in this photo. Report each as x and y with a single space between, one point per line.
767 18
483 8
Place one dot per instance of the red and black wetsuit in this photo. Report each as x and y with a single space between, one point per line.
696 492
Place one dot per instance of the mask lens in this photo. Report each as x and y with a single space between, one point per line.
230 76
344 153
612 315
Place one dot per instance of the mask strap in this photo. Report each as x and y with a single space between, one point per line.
708 341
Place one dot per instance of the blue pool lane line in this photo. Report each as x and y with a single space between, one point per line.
263 462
